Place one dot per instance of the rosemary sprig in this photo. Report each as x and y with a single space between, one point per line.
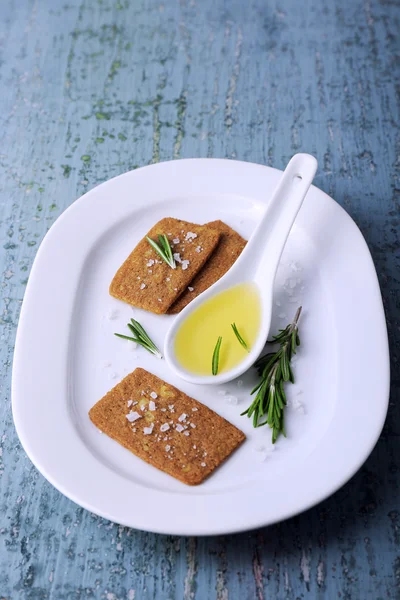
275 370
239 337
163 249
215 356
140 337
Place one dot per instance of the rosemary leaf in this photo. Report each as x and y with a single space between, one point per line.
163 249
215 356
239 337
141 337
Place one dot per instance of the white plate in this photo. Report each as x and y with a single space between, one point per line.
337 406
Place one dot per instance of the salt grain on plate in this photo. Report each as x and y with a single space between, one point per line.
112 314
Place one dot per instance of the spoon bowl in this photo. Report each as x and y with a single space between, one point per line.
257 263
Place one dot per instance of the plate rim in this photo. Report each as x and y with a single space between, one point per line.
212 530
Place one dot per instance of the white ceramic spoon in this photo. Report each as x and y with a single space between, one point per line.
257 263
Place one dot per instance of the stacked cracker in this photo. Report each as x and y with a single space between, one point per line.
203 254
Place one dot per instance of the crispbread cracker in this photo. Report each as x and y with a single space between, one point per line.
196 442
229 248
146 281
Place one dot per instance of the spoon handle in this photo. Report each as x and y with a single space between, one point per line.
265 247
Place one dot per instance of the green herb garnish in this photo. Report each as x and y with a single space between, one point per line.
275 370
140 337
215 357
239 337
163 249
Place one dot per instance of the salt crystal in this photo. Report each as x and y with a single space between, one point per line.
171 406
203 464
164 427
194 409
148 430
112 314
164 409
133 416
186 433
159 299
168 279
193 425
142 286
130 402
195 447
176 240
152 405
167 447
239 382
150 263
177 257
182 417
190 236
199 249
179 428
185 264
134 429
190 289
232 400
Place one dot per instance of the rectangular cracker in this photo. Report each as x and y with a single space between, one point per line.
196 442
229 248
146 281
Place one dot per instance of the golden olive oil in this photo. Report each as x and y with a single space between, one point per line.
196 338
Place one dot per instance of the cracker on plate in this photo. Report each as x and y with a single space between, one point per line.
146 281
229 248
165 427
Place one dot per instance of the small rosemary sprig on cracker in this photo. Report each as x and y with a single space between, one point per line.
215 356
140 337
163 249
275 370
239 337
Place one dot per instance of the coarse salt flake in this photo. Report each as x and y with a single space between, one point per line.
194 409
150 262
153 395
177 257
167 447
179 428
193 425
185 264
148 430
191 289
142 286
182 417
190 236
152 405
133 416
176 240
164 427
186 433
130 402
203 464
199 249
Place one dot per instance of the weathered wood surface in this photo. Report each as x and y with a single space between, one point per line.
90 89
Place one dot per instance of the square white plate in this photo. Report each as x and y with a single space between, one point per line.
65 343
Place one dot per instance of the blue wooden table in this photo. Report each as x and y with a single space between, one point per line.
92 88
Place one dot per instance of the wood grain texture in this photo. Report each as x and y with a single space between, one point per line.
93 88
